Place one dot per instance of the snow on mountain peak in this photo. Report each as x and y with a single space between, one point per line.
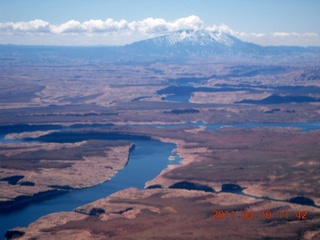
195 37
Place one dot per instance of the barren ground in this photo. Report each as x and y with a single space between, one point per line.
270 165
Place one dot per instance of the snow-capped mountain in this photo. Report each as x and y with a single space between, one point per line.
183 45
190 43
200 37
179 46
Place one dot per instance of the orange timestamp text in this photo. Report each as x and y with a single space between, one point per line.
265 214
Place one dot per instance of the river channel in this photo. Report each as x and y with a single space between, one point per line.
146 161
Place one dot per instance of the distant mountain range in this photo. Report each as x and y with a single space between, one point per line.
193 42
183 45
211 44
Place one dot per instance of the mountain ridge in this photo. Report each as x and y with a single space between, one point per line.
182 45
189 39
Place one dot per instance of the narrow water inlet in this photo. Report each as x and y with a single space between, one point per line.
231 188
148 154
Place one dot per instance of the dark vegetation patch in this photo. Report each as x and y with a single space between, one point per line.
96 211
27 183
191 186
123 211
302 200
13 180
275 99
12 234
182 111
154 186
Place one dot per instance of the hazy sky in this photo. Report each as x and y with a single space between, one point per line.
92 22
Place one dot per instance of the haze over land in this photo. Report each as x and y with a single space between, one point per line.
123 22
244 119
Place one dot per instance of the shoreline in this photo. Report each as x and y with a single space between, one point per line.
31 194
22 201
131 148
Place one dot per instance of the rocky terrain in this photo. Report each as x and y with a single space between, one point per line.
175 214
259 170
251 172
78 165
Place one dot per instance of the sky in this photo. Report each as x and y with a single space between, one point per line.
119 22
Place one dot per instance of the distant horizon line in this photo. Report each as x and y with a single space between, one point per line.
110 32
111 46
150 38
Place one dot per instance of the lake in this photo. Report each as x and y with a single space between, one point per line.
146 161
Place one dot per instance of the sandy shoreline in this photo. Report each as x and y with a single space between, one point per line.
82 173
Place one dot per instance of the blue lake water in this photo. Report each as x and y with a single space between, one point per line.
146 162
178 98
